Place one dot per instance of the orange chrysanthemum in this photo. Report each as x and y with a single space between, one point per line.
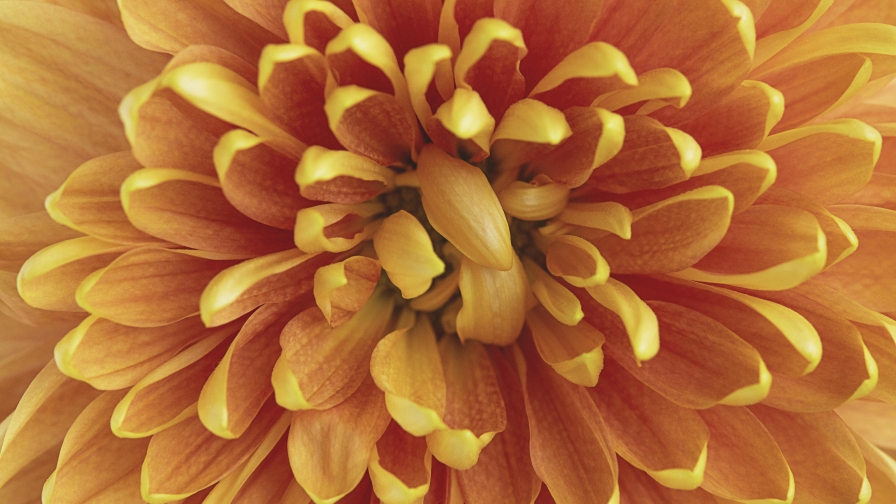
471 251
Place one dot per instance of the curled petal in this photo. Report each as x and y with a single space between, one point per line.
658 88
339 176
403 25
400 467
314 22
577 261
613 307
334 227
528 129
605 216
573 351
536 200
430 78
462 126
494 302
342 288
557 299
405 250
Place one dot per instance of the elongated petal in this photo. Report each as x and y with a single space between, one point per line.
649 431
744 461
614 308
474 409
400 467
768 247
319 365
430 78
604 216
187 457
556 298
112 356
49 278
90 452
329 449
372 124
150 287
636 485
461 205
341 289
265 477
577 261
869 419
574 352
504 473
824 457
257 180
406 252
45 413
273 278
494 302
656 89
786 340
694 349
407 367
569 443
314 23
672 234
168 394
191 210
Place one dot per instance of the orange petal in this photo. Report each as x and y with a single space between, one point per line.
574 352
458 17
191 210
430 78
474 409
150 287
274 278
636 486
24 235
196 23
824 457
264 477
880 470
45 413
372 124
88 200
291 82
614 309
739 121
879 192
404 25
583 75
569 443
489 64
529 129
656 89
168 394
827 162
342 288
504 472
340 176
597 136
603 216
13 307
786 341
187 457
461 205
494 302
870 420
557 299
241 381
846 371
652 157
407 367
672 234
257 180
405 249
112 356
649 431
334 227
577 261
340 437
767 247
462 126
858 276
319 365
400 467
701 362
314 23
744 463
49 279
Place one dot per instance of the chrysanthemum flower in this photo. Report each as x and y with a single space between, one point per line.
572 251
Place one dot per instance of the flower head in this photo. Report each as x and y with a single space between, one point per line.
464 251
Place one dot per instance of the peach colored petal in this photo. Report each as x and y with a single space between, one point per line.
778 25
569 442
614 309
461 205
22 236
241 381
574 352
871 421
168 394
406 252
266 13
474 408
45 413
187 457
701 363
879 192
274 278
739 121
399 467
672 234
407 367
636 486
112 356
494 302
25 351
291 81
329 449
665 440
656 89
825 459
318 368
48 279
207 22
190 209
150 287
264 477
15 308
880 469
94 464
503 474
341 289
744 462
786 341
